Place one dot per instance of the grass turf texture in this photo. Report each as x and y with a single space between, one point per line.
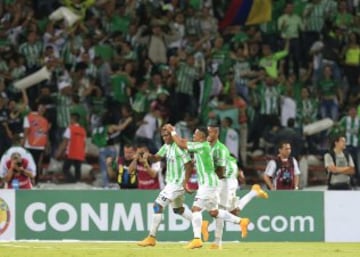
130 249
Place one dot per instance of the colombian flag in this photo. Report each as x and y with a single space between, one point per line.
247 12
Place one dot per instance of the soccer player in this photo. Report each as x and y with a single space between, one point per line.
178 162
207 194
227 171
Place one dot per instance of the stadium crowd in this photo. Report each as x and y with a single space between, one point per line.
126 68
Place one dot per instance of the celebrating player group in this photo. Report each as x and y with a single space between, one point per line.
217 173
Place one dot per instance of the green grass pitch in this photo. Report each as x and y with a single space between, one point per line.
130 249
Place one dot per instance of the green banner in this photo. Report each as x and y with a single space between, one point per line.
126 215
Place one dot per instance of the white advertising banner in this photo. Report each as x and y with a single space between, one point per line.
7 214
342 216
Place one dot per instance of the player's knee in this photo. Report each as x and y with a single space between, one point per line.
214 213
195 209
157 208
179 210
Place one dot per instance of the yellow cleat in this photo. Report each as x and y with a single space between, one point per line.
215 246
244 223
195 243
204 230
260 193
148 241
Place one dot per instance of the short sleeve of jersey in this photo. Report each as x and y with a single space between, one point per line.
162 151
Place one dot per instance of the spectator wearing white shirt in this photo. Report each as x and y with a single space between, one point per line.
149 127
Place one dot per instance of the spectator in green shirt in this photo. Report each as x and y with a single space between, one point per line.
290 25
270 60
330 94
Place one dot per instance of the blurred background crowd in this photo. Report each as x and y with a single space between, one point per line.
129 66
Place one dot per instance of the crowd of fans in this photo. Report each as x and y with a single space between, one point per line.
131 66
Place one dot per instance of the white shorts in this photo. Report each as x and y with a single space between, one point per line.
227 193
171 194
207 198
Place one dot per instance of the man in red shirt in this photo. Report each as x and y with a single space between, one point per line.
148 175
74 143
17 168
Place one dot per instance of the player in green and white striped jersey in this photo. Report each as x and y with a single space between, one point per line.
227 169
178 162
207 195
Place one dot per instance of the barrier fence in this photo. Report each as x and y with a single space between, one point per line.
126 215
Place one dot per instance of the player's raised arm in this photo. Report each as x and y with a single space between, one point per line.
181 142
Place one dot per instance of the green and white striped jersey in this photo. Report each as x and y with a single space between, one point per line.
63 104
222 158
175 160
220 154
204 163
352 130
185 77
231 170
306 111
67 55
31 53
269 99
316 14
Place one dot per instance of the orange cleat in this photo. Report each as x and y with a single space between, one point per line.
244 223
148 241
260 193
195 243
215 246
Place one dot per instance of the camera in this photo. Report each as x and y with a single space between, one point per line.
19 163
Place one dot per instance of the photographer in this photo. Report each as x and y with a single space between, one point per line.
17 169
118 169
283 172
148 174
